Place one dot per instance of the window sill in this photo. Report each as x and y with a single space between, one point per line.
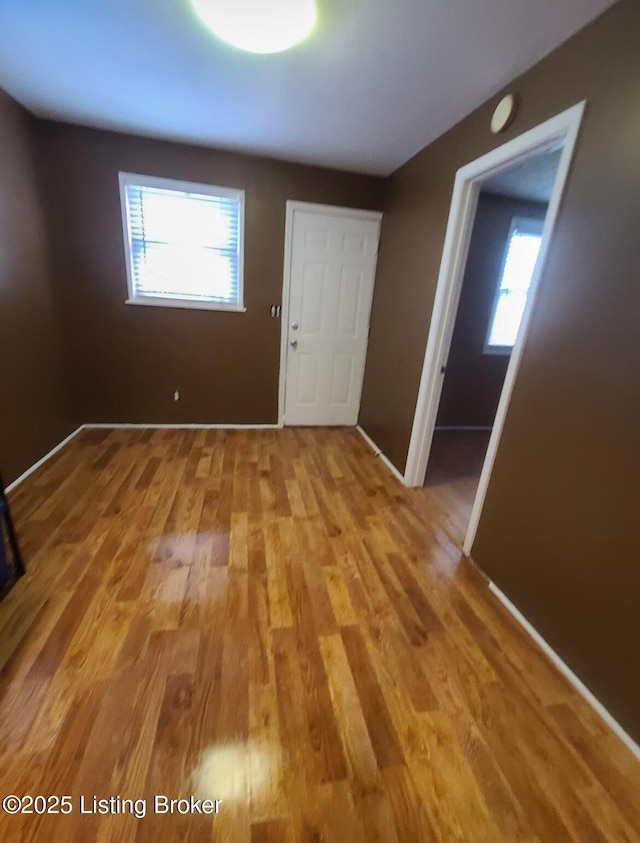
499 350
186 304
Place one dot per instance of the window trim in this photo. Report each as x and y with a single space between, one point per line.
137 179
528 225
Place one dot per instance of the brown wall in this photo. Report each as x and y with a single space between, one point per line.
474 380
125 360
32 416
557 533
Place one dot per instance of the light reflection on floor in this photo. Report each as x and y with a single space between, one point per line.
182 548
223 772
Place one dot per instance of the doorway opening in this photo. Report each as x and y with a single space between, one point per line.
503 249
501 222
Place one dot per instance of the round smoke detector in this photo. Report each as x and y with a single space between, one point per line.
504 114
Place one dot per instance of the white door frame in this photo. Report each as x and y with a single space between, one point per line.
563 128
309 207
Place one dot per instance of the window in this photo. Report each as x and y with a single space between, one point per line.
521 254
183 243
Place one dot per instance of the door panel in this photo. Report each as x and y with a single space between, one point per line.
312 298
349 296
308 380
333 261
341 379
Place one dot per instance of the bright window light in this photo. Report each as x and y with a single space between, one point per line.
258 26
183 243
523 246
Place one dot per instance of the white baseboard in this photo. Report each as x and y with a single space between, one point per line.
566 671
42 461
379 453
181 426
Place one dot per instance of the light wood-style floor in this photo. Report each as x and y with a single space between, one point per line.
269 618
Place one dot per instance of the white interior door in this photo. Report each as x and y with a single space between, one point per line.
332 272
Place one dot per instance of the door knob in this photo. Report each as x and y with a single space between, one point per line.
294 325
294 343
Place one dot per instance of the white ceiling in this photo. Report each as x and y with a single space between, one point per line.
377 81
533 179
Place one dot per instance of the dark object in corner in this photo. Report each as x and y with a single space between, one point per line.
11 565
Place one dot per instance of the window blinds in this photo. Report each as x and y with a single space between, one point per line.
184 245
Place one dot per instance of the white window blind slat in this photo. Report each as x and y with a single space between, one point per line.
183 244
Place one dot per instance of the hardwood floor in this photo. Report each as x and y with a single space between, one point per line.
453 472
456 455
270 619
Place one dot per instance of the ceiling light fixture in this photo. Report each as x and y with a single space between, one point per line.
258 26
